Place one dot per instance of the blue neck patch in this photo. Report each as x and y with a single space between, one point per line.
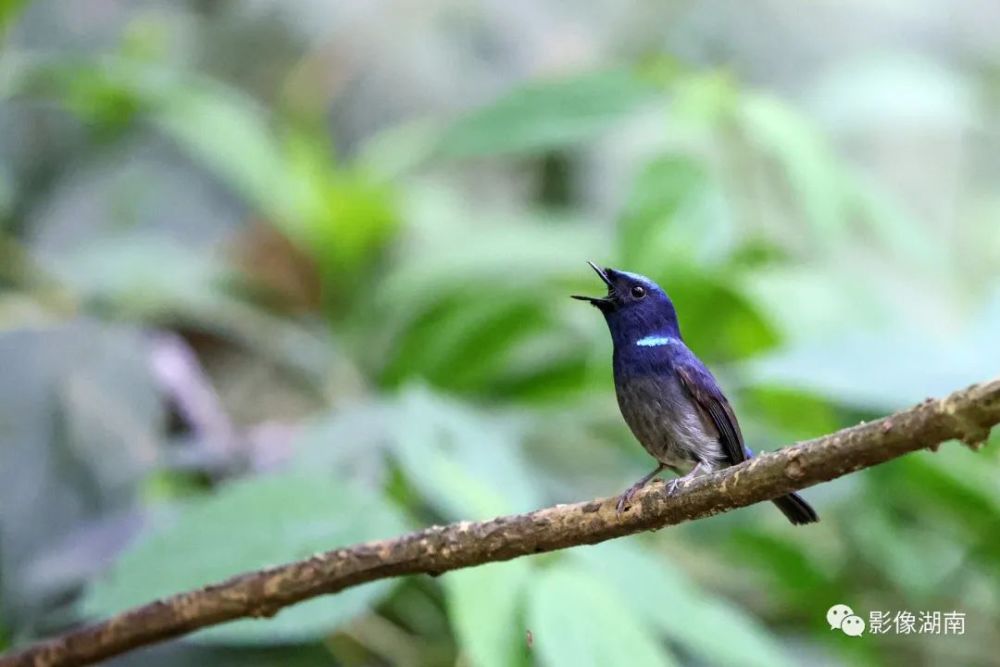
654 341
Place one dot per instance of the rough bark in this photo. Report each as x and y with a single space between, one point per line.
966 415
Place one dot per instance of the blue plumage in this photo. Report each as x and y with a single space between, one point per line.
668 397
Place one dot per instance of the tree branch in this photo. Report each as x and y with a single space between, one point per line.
967 415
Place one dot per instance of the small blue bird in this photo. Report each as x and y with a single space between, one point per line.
667 396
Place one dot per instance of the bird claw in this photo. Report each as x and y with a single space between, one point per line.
678 483
624 500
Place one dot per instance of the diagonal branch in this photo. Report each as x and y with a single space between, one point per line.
967 415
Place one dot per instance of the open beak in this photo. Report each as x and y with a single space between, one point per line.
599 302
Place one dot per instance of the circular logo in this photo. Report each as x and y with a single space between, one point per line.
836 614
853 626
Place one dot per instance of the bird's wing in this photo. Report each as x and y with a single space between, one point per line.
715 409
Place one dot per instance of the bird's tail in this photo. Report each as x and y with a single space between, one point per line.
793 505
796 509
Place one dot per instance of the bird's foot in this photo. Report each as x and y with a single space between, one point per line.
626 498
678 483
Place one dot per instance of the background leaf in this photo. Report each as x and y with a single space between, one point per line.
469 466
546 115
576 620
689 615
492 635
265 521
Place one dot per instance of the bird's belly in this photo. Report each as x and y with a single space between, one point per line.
666 423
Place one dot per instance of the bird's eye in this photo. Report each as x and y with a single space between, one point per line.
638 291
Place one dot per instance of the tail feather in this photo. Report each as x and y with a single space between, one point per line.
796 509
793 505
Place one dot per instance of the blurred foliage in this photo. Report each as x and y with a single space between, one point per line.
280 277
546 115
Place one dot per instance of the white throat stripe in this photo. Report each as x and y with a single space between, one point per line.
654 341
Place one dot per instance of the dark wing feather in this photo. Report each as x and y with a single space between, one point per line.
715 409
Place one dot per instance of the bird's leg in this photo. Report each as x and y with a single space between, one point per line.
700 469
625 498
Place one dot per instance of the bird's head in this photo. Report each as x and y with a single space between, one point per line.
634 307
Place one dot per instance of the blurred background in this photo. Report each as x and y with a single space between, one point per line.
277 277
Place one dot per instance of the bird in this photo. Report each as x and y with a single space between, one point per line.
668 397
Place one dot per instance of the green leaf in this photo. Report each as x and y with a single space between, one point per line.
880 372
889 547
796 574
954 482
692 617
787 415
221 127
577 620
6 196
484 604
495 331
341 216
9 11
805 159
896 229
835 200
809 302
719 319
80 427
466 464
664 188
248 525
226 131
155 279
546 114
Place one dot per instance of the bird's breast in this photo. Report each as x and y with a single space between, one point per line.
663 419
